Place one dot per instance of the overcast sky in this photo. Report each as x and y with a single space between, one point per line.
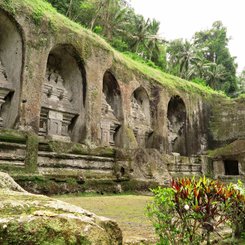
182 18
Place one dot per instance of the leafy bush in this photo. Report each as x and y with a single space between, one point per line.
190 210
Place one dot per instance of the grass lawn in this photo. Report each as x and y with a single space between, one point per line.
127 210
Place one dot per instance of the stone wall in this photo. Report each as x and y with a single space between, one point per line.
227 121
71 95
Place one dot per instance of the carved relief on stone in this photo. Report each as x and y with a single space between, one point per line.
176 128
5 89
57 109
54 91
139 122
3 75
137 112
109 123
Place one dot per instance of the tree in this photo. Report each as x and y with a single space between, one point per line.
140 34
213 44
182 58
70 8
215 75
241 82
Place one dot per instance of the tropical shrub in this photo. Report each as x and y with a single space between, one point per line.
190 210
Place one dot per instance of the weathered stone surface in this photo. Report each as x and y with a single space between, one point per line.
32 219
147 164
66 75
229 161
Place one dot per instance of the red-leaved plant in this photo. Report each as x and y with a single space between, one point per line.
190 210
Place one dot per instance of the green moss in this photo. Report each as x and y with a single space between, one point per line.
12 169
138 185
41 184
37 16
31 153
237 147
42 231
242 96
79 149
131 140
170 82
51 185
9 6
14 136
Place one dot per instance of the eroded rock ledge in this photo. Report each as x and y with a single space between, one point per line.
36 219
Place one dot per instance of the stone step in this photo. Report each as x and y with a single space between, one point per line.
11 163
74 156
185 168
76 164
11 146
11 157
68 172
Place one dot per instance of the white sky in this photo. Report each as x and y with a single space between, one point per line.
182 18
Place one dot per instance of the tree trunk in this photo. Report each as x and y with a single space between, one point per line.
68 13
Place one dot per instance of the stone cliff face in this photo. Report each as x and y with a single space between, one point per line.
71 99
70 85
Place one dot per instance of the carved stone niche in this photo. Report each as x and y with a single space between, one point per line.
57 110
139 121
176 119
5 88
109 123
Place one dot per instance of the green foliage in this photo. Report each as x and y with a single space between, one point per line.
206 57
241 82
139 59
8 4
37 16
57 21
213 44
117 22
236 211
190 210
199 81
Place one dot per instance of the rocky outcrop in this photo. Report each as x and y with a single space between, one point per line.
36 219
149 164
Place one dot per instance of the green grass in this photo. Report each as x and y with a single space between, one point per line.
127 210
169 81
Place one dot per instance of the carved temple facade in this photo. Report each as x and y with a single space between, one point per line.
69 86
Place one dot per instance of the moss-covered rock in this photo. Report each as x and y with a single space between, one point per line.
39 220
235 148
